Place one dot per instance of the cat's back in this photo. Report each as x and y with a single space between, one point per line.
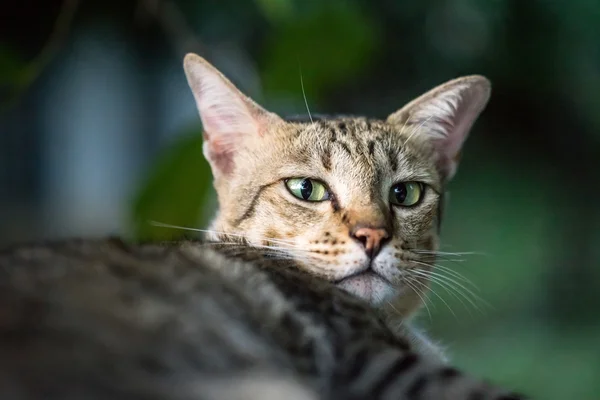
136 319
106 320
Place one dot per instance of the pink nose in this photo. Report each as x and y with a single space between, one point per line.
371 239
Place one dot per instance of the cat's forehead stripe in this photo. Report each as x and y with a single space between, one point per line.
345 147
393 158
371 148
326 159
249 211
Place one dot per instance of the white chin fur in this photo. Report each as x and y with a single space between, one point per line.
370 287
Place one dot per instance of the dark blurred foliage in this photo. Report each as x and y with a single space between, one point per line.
98 134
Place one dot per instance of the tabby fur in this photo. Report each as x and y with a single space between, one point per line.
104 319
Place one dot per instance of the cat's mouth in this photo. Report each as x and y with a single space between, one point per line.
368 285
364 273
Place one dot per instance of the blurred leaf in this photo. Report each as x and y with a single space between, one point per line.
330 43
175 191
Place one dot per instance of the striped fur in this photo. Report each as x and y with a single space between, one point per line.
109 320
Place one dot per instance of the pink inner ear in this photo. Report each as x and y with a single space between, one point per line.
223 160
218 153
448 118
222 124
227 122
465 115
223 135
449 145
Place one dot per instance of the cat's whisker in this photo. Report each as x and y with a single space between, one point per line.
242 247
164 225
217 244
304 96
297 254
448 288
446 253
420 293
448 278
246 237
287 246
292 252
475 253
283 244
431 290
444 256
448 256
287 253
267 254
449 271
457 288
275 248
275 254
424 291
393 307
431 257
456 274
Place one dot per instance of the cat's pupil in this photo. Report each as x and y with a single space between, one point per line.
306 188
400 192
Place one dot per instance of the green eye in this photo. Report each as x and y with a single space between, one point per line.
307 189
406 194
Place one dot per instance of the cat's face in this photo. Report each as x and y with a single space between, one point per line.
340 196
353 200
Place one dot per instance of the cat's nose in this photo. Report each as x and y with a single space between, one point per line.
371 239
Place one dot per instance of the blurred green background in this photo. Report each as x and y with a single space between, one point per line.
99 134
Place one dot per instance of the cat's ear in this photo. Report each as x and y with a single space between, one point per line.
444 116
228 116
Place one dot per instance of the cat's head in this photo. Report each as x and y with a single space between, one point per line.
353 200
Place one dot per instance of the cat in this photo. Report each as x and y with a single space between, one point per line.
319 228
105 319
354 200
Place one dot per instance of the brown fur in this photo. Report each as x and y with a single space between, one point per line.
254 201
358 159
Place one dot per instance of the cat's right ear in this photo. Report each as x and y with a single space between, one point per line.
228 116
444 116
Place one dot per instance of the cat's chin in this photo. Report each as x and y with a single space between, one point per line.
369 286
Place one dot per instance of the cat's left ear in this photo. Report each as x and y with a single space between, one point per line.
229 118
444 116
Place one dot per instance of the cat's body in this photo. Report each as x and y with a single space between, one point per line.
326 230
107 320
